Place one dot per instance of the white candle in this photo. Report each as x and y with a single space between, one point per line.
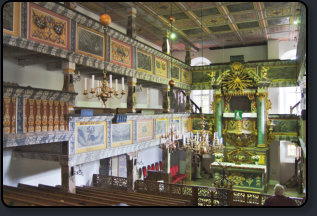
110 80
85 83
122 83
116 84
92 81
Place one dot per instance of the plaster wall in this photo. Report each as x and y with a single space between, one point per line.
273 94
88 169
149 156
29 171
274 163
273 49
253 53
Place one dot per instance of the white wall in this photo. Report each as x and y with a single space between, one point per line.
253 53
88 169
149 156
29 171
285 46
273 49
34 75
149 98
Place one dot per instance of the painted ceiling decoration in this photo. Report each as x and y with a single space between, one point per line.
224 24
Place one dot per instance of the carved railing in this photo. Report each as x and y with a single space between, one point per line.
205 196
198 195
293 107
112 182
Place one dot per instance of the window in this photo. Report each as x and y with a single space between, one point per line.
237 58
288 152
291 150
203 99
200 61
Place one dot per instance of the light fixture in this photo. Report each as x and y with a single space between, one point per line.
170 140
103 91
172 35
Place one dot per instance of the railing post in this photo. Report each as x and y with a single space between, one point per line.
230 197
195 196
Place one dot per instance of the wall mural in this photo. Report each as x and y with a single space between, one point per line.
161 67
144 62
121 134
120 53
161 127
90 136
145 130
90 42
175 73
186 76
47 27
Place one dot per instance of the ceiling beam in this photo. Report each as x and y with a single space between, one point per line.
167 23
230 22
259 10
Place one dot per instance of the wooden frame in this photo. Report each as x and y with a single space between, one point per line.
94 33
120 53
145 130
158 135
138 63
59 37
179 73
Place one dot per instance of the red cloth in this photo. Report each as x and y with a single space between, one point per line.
279 201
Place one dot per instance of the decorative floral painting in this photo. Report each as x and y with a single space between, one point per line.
120 53
90 42
161 127
47 27
186 76
161 67
121 134
90 136
11 18
144 62
175 73
145 130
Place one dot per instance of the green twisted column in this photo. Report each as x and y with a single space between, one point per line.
261 118
219 103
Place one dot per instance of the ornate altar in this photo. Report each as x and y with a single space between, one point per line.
241 118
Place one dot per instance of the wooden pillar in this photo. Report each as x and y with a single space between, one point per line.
166 99
131 28
165 44
68 70
68 179
166 160
132 174
131 99
188 106
219 102
187 56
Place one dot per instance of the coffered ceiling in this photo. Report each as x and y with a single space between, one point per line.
213 25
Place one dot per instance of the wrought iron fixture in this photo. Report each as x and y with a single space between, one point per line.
104 90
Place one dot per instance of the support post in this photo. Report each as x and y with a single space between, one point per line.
68 179
131 29
187 56
219 102
166 99
131 99
68 70
261 113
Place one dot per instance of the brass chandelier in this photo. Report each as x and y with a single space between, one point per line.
104 90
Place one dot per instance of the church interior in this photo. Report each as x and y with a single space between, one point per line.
153 103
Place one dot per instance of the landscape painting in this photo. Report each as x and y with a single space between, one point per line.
186 125
176 125
186 78
121 134
145 130
90 136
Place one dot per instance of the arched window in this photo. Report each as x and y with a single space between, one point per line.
200 61
291 54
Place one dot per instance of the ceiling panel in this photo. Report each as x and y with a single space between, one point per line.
223 24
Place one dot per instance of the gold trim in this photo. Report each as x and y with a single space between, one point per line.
16 20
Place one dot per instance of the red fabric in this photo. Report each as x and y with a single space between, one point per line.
279 201
156 166
144 171
161 165
148 167
176 169
153 167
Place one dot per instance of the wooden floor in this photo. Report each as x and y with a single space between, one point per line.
43 195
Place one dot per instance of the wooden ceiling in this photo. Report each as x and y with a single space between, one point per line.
213 25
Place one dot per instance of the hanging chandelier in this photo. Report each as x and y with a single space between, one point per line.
170 140
104 90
